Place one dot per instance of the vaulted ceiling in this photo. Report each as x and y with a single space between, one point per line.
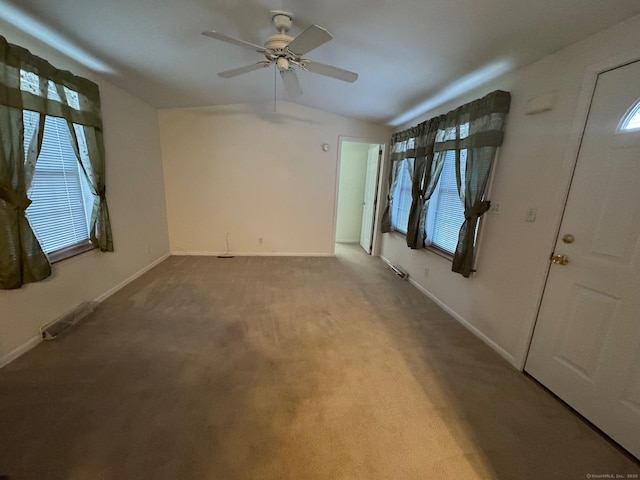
406 52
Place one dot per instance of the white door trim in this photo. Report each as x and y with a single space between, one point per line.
376 244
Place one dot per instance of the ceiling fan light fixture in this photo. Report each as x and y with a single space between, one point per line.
282 63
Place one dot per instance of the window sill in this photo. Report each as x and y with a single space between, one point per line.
72 251
433 249
438 251
398 233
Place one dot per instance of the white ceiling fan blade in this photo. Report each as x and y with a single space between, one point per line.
239 71
312 37
291 84
330 71
233 41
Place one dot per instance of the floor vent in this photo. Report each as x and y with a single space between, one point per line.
399 272
55 328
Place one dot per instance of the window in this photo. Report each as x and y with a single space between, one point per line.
632 119
402 196
61 197
447 142
58 214
446 214
56 195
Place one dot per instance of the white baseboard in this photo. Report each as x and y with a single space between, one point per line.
502 352
124 283
250 254
22 349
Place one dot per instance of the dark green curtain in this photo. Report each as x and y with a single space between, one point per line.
478 128
88 147
401 142
24 85
415 143
426 172
21 257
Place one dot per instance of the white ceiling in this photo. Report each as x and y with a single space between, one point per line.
405 51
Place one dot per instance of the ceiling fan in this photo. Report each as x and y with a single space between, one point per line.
286 52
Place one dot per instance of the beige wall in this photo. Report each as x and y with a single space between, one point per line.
260 176
353 171
533 171
135 193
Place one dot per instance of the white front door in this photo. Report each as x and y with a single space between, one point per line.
586 343
370 194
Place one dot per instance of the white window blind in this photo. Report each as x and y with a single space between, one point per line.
57 214
402 197
446 213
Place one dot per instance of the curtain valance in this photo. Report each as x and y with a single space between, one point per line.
28 82
476 124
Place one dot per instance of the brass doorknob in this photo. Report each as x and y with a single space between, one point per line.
559 259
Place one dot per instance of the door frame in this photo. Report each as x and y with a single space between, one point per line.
570 162
377 217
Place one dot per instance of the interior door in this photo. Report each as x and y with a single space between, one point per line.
370 194
586 343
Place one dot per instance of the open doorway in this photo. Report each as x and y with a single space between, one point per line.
358 182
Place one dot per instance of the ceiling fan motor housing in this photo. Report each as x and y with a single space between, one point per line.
278 41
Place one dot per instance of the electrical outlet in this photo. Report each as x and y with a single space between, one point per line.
495 208
426 272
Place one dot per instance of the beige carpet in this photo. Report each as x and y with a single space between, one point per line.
283 368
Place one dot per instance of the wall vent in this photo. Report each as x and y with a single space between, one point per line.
55 328
399 271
